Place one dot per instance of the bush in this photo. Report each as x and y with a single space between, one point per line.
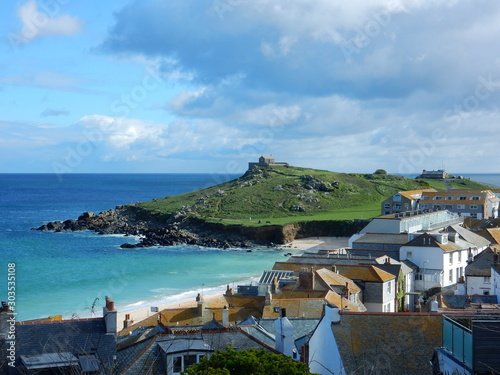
380 171
247 362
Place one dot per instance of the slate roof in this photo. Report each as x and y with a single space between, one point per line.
301 326
389 343
469 236
481 265
383 238
86 336
426 240
149 354
460 301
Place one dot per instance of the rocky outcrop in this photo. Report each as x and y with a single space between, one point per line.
182 228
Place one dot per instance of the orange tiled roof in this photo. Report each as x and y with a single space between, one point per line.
332 278
410 193
495 233
365 272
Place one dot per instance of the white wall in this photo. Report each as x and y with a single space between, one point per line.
382 226
324 355
495 282
477 285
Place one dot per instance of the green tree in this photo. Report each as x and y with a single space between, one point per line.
247 362
380 171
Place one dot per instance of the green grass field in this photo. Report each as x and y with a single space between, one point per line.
282 195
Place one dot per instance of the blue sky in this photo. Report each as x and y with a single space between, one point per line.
206 86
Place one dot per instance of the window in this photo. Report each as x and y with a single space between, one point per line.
409 254
425 197
189 360
438 197
178 364
387 206
474 198
389 287
396 198
473 206
450 276
459 256
181 363
461 206
487 279
422 206
449 198
448 206
462 198
396 207
451 258
436 206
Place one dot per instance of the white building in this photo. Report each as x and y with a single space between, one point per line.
442 255
408 222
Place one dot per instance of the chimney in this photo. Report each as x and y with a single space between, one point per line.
269 296
229 291
110 316
225 316
307 280
332 314
347 293
275 285
284 334
201 305
127 322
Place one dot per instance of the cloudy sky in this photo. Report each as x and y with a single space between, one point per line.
208 85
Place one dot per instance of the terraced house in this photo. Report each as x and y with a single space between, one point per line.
480 204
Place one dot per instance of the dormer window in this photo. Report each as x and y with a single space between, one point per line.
438 198
450 198
475 198
462 198
425 197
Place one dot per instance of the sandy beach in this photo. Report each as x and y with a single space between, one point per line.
314 244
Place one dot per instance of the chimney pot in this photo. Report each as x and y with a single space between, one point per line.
110 304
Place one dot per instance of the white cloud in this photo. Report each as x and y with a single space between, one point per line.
46 20
123 133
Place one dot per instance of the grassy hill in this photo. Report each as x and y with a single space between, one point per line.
281 195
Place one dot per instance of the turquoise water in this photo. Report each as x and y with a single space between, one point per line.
63 273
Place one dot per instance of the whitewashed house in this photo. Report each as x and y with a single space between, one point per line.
442 255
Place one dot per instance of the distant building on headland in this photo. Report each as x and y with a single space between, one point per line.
266 161
440 174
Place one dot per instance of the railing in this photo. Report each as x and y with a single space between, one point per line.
458 340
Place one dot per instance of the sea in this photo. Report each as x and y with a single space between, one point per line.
70 274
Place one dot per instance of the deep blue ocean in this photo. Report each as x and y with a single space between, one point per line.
63 273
